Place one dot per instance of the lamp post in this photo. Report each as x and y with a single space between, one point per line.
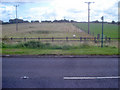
102 18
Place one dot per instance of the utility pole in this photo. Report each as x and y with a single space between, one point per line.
16 18
89 15
102 18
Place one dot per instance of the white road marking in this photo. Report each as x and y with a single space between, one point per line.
81 78
24 77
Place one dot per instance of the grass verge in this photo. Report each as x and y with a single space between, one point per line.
38 48
80 51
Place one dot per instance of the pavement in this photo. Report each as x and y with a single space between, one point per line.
60 72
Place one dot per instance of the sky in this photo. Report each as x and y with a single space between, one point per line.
59 9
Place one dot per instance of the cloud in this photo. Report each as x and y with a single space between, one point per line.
6 11
25 0
70 9
78 9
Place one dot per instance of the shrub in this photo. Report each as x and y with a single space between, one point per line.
66 47
5 39
31 44
3 45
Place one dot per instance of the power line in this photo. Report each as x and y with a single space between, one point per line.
89 15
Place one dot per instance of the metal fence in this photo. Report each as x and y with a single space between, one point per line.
55 39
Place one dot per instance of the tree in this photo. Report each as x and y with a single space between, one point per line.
113 22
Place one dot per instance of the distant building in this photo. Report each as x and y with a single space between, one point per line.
35 21
16 20
95 21
25 21
46 21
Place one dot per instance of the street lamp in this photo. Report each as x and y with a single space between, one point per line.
102 18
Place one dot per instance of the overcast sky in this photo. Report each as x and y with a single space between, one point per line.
59 9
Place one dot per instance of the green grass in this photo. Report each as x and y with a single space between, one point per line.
38 48
40 45
80 51
110 30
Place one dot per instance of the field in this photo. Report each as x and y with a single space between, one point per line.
110 30
42 30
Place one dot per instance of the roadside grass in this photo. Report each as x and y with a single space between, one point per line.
80 51
38 48
110 30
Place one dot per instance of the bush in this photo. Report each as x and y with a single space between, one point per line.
32 44
66 47
5 39
3 45
39 45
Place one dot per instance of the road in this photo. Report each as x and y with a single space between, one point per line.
51 72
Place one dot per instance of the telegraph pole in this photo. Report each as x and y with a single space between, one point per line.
89 15
16 18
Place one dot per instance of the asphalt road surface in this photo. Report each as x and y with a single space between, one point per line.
60 72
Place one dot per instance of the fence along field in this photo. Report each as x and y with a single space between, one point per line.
50 32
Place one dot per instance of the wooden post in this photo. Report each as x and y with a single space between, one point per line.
11 38
85 39
109 39
52 39
98 36
67 39
80 39
25 39
95 40
39 38
105 38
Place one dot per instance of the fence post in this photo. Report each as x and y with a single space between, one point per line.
98 36
52 39
95 40
80 39
85 39
25 39
105 38
109 39
11 38
67 39
39 38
